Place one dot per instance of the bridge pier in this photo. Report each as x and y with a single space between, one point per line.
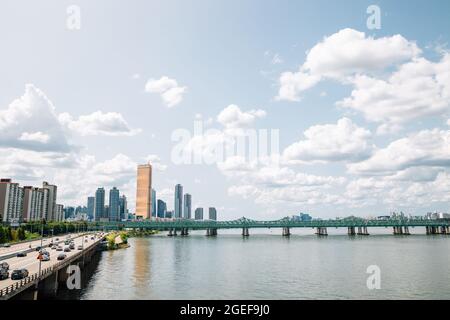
351 231
245 232
170 234
184 232
321 231
286 232
211 232
362 231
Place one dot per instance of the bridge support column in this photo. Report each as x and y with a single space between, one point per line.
406 231
398 230
245 232
286 232
184 232
321 231
443 230
351 231
211 232
170 234
175 232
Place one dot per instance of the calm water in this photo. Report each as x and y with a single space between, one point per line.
268 266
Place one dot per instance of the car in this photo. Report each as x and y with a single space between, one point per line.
72 246
61 256
80 247
38 248
92 238
53 247
59 248
45 257
22 254
4 274
86 240
4 265
6 245
67 249
19 274
66 242
44 252
57 239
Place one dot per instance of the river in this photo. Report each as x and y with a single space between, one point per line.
269 266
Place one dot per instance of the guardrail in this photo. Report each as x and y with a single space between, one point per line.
44 273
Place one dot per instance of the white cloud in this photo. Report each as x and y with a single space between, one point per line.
30 122
98 123
171 93
232 117
343 54
343 141
425 148
417 89
35 136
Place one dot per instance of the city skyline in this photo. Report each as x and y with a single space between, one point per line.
345 147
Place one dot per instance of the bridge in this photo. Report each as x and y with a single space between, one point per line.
354 225
44 276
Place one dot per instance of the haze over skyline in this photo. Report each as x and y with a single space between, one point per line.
363 115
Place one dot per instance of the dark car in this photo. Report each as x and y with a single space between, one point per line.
61 256
19 274
72 246
4 274
22 254
38 248
4 265
57 239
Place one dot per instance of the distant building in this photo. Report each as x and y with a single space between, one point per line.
212 213
187 206
69 213
11 201
162 208
114 205
123 207
169 214
144 191
99 210
154 210
199 214
178 205
91 207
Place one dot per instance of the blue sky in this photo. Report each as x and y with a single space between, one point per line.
87 119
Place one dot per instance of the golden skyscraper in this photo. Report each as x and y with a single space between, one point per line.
144 191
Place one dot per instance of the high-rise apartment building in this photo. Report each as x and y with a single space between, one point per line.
212 213
51 203
114 205
90 207
123 207
32 203
187 206
178 205
99 209
11 201
199 214
144 191
162 209
59 214
154 212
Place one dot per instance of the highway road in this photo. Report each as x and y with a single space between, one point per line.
31 263
15 248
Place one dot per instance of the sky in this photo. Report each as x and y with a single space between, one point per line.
352 102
